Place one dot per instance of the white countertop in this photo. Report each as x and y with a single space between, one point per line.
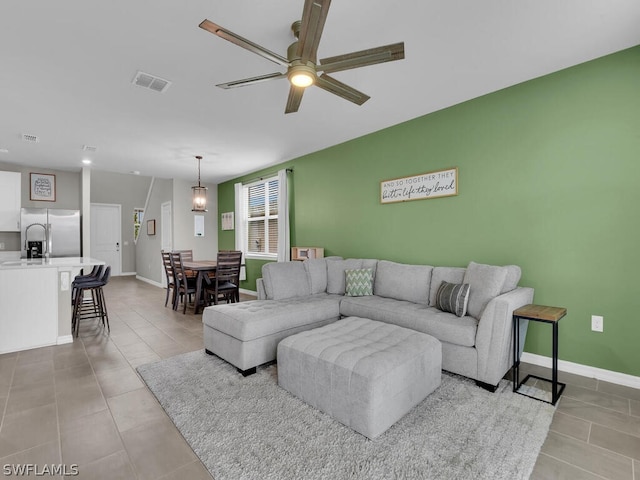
62 262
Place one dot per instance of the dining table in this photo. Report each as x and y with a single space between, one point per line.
202 268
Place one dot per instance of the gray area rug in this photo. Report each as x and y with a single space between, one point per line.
249 428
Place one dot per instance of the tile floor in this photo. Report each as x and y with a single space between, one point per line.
83 404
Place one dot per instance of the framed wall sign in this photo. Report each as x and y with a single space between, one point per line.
151 227
42 187
440 183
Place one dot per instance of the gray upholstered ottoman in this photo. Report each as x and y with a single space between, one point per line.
365 374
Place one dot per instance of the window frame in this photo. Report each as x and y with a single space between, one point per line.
266 217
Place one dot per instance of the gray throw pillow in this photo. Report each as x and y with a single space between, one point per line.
444 274
453 298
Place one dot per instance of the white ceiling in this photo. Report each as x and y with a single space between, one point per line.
66 68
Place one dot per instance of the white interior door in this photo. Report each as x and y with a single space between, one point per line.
106 235
166 241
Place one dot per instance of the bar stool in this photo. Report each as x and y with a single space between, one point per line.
95 274
96 306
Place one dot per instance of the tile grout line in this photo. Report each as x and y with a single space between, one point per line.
124 446
593 445
6 403
574 466
55 397
603 407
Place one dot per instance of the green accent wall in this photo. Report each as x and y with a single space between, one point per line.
548 180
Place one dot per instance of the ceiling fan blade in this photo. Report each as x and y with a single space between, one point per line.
332 85
314 15
252 80
387 53
295 97
243 42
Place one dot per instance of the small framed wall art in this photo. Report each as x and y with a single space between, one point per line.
151 227
227 221
42 187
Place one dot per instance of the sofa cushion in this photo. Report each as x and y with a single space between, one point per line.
358 282
485 283
403 282
446 327
453 298
285 280
371 263
513 277
444 274
335 274
316 269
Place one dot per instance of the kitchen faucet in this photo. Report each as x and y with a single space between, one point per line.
46 237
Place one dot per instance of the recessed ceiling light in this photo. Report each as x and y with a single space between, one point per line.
86 161
4 150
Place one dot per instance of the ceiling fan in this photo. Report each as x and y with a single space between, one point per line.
301 61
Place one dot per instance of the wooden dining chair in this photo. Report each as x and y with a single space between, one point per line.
185 285
168 270
226 283
187 256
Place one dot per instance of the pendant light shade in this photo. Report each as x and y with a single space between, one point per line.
199 194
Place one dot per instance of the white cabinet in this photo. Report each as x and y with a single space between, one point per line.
10 201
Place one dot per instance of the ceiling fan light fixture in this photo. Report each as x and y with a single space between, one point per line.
301 74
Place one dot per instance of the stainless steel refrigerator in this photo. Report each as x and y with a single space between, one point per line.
49 231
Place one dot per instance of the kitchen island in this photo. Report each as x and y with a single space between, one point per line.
35 301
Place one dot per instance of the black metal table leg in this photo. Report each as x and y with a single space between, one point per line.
539 313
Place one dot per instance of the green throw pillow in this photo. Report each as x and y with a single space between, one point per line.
359 282
453 298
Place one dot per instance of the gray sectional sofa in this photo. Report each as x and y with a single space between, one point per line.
298 296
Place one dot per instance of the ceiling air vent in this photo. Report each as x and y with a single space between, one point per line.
151 82
89 148
30 138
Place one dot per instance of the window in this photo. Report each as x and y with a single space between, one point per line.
262 218
138 214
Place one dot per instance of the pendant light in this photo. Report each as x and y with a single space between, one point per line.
199 193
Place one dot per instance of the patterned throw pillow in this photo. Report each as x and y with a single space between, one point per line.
453 298
359 282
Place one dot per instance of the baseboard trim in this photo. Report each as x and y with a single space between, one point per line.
584 370
248 292
64 339
152 282
127 274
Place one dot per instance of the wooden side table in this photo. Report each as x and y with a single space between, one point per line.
538 313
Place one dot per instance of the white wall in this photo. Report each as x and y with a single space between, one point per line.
148 258
128 191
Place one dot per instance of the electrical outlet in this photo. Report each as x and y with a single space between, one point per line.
597 323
